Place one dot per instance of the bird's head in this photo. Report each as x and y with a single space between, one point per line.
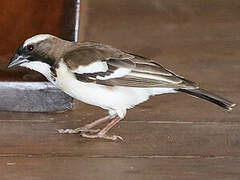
38 53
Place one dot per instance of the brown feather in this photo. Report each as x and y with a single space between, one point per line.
144 73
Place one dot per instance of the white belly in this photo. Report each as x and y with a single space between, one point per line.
116 99
108 97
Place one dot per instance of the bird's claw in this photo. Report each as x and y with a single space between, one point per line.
103 136
77 130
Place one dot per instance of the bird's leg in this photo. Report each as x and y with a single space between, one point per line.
87 128
102 133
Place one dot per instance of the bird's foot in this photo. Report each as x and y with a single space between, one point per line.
102 136
77 130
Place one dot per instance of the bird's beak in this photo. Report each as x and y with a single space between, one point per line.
17 60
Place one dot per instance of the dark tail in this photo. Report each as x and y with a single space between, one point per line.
201 93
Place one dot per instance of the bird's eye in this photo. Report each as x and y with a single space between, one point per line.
30 47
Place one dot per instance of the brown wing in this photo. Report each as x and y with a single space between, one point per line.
88 52
112 67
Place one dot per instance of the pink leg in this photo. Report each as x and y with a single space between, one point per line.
99 121
102 133
110 125
87 128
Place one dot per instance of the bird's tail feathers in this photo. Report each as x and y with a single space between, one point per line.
201 93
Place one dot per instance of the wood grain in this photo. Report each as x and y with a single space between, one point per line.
141 139
170 136
75 168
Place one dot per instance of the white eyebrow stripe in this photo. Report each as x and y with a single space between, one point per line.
36 39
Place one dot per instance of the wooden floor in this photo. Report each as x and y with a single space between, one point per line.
169 137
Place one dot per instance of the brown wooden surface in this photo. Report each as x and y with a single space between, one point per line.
195 141
170 136
76 168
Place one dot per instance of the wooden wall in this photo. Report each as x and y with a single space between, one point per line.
179 31
169 31
22 19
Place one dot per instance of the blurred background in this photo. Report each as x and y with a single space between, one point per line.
182 35
20 20
197 39
168 137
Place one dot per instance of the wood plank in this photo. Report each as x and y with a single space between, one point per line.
141 139
168 137
174 32
63 168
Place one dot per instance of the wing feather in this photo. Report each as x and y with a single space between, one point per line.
112 67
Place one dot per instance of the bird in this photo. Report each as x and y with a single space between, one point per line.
103 76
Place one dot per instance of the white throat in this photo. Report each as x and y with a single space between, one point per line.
38 66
